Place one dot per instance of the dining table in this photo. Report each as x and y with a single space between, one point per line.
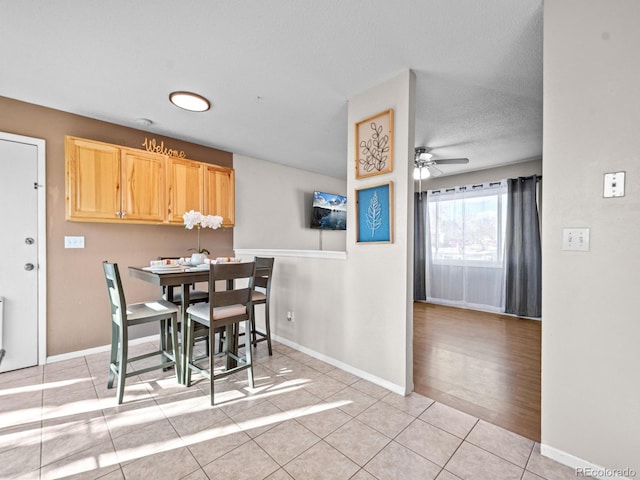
183 279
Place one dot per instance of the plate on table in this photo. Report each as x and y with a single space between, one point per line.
165 268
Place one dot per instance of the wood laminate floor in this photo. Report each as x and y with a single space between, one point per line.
485 364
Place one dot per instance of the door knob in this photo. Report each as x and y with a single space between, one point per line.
29 241
28 266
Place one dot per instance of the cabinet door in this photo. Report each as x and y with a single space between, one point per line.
92 180
219 193
184 188
143 187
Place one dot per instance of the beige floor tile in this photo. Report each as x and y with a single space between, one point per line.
294 402
321 462
396 461
431 442
386 419
324 386
94 462
20 462
286 441
21 435
216 441
155 437
449 419
34 374
444 475
280 474
281 348
191 415
352 401
370 389
169 465
64 439
197 475
247 462
319 365
357 441
414 404
531 476
116 475
323 419
300 357
20 408
73 363
255 421
362 474
501 442
343 376
473 463
130 418
547 468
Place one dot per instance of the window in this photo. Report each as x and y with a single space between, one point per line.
467 225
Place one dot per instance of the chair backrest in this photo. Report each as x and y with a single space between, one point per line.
231 272
264 272
116 294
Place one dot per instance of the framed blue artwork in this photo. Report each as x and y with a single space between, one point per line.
374 207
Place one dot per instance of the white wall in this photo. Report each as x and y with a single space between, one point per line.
353 309
379 277
591 325
273 207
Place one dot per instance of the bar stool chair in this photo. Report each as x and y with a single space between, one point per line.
262 281
226 309
124 316
259 296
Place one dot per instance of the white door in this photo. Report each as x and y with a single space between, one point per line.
19 253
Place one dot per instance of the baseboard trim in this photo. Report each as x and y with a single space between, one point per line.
100 349
584 468
343 366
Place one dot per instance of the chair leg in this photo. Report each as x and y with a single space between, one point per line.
267 326
113 358
210 340
248 357
173 326
122 364
254 337
188 349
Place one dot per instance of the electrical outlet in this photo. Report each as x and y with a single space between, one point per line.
290 316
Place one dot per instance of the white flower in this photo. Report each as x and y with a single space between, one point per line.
211 221
192 219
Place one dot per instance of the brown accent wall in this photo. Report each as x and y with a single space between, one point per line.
77 305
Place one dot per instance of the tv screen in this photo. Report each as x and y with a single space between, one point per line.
329 211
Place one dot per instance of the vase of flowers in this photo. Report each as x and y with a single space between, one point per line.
198 220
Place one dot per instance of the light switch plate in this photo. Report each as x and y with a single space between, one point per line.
575 239
73 242
614 184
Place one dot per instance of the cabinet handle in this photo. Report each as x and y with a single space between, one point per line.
118 214
123 214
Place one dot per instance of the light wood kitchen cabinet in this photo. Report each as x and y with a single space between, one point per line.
219 193
110 183
185 188
143 186
93 180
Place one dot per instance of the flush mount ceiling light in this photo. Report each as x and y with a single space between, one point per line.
190 101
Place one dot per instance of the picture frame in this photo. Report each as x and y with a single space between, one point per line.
374 213
374 145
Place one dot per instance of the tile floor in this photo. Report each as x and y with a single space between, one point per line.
303 420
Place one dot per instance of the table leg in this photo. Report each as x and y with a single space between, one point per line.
184 361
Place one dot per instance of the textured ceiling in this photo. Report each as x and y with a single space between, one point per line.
279 72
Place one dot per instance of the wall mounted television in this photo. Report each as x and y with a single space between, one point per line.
329 211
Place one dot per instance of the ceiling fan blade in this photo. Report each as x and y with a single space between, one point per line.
434 171
451 161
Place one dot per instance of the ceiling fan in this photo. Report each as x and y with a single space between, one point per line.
425 164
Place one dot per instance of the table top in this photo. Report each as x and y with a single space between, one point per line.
169 279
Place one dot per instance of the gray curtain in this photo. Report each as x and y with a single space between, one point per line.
420 231
522 249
